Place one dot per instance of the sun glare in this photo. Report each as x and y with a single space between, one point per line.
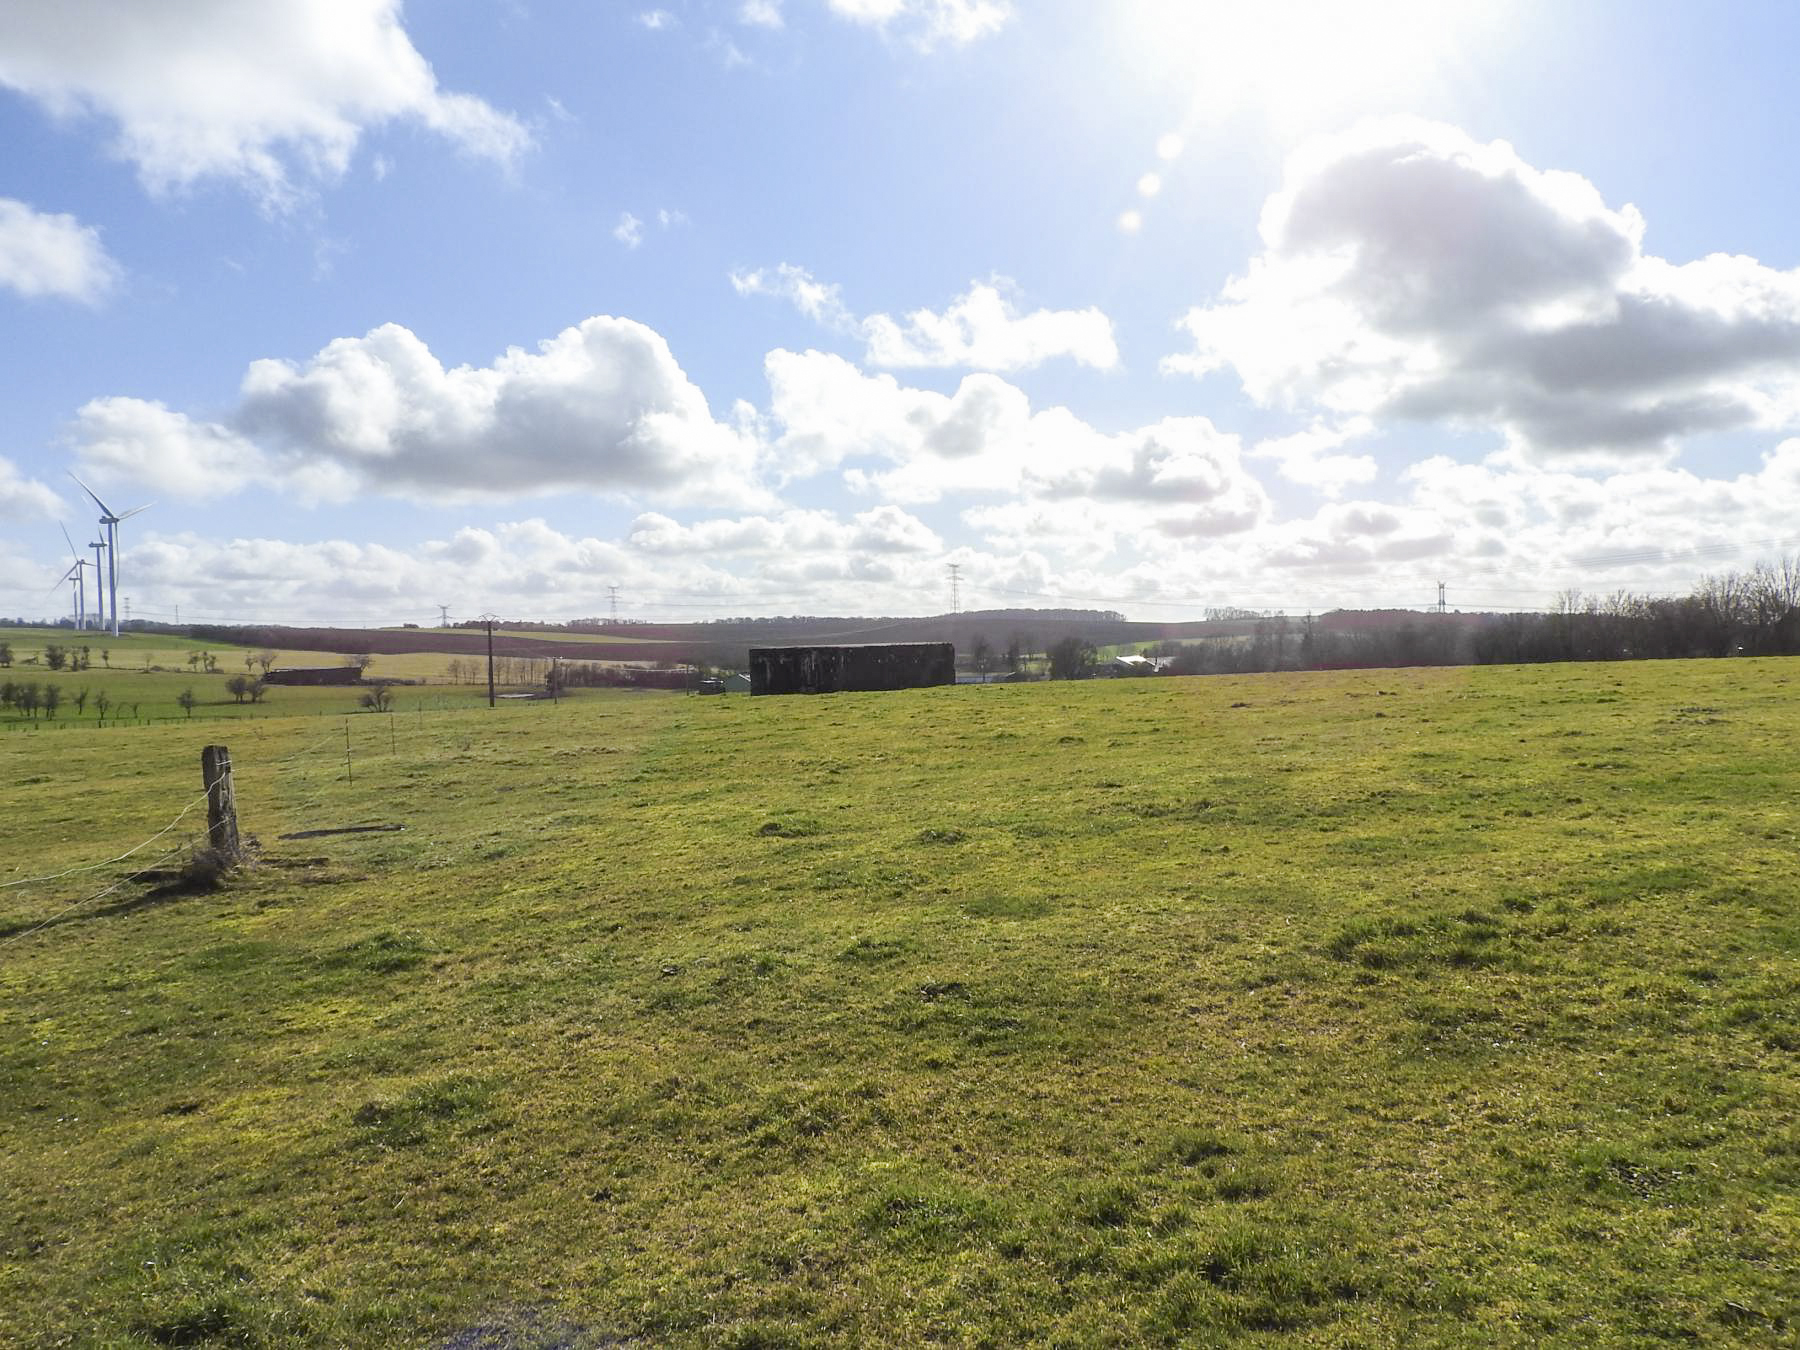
1297 61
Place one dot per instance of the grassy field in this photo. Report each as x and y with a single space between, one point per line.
1445 1007
143 675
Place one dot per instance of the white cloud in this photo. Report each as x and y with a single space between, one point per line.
760 13
981 329
1181 477
601 407
42 254
145 442
1310 457
1409 272
629 231
819 301
23 498
656 19
269 95
883 530
927 23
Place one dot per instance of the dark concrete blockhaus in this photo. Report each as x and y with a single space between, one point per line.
833 670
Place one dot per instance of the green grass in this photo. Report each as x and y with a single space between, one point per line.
144 674
1433 1007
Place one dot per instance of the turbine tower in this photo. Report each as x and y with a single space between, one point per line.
81 566
111 520
99 591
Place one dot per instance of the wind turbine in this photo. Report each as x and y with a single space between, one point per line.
73 575
110 519
81 566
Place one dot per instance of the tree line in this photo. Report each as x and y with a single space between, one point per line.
1749 613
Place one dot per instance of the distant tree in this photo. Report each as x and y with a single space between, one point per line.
266 658
55 657
9 693
249 661
87 657
212 662
378 699
80 701
106 657
101 703
981 655
52 700
257 689
193 660
5 654
1071 659
27 697
360 660
134 712
187 701
238 686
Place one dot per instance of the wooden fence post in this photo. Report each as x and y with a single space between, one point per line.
221 802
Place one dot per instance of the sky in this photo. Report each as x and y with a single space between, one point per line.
707 308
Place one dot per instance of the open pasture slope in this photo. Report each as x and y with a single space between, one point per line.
1448 1007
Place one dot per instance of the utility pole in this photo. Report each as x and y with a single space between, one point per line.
1441 608
489 620
956 588
612 599
443 616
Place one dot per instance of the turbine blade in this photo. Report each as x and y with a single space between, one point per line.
70 542
104 508
134 510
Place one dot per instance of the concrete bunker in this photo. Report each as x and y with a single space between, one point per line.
836 670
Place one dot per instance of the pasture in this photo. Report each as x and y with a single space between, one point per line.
1452 1007
140 677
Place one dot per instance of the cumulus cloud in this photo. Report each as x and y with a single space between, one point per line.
55 255
1313 457
885 529
1179 477
144 441
1409 271
603 406
23 498
928 23
981 329
792 561
268 95
629 231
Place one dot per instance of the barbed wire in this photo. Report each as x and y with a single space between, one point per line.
108 862
89 899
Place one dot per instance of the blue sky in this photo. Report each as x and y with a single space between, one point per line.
784 306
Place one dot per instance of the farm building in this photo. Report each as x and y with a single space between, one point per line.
833 670
315 675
